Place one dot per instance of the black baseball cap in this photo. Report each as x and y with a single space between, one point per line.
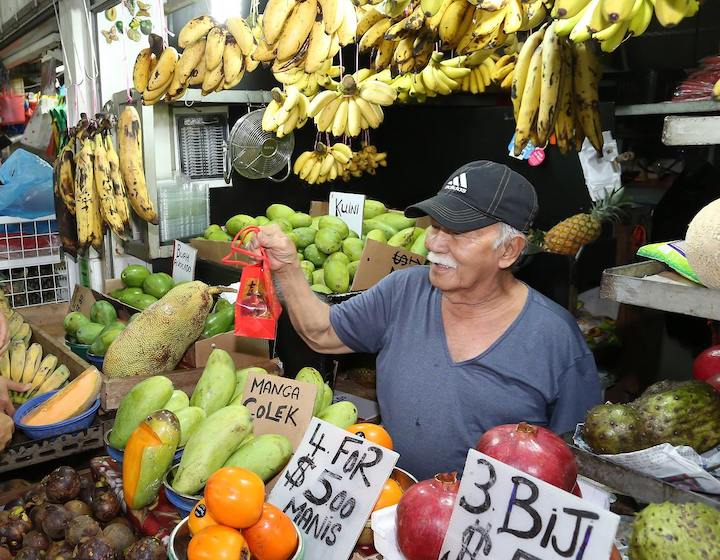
479 194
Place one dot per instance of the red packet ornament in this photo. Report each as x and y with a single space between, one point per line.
257 308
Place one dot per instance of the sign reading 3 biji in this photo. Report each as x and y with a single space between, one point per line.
330 486
505 514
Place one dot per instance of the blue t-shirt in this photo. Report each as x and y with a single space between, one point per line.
539 371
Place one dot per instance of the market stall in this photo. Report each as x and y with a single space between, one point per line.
166 402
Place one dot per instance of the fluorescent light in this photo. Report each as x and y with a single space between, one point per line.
221 10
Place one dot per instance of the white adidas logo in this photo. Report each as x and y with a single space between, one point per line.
458 183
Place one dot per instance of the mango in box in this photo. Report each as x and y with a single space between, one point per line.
158 284
283 224
352 269
275 211
373 224
321 289
314 255
217 383
300 220
134 275
148 456
304 236
308 268
338 257
265 455
318 277
177 401
73 321
341 414
88 332
396 220
353 248
337 277
238 222
212 228
262 220
190 418
218 235
103 312
144 398
311 375
373 208
377 235
328 240
333 222
100 345
241 376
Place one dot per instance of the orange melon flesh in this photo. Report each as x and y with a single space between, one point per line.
70 401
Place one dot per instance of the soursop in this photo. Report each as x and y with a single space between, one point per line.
681 531
612 428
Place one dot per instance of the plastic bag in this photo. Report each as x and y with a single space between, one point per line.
257 308
12 108
672 253
26 186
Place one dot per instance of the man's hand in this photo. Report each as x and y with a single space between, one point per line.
280 250
5 386
4 335
6 430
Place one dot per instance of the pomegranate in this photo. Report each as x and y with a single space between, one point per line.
534 450
707 363
423 516
714 380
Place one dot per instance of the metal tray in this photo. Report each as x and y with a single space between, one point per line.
652 284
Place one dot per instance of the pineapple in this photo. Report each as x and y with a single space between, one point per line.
567 237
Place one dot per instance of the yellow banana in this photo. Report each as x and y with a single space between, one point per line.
5 365
716 91
233 62
44 370
332 15
213 78
131 164
585 84
141 69
104 188
33 357
194 30
198 74
368 18
568 8
530 102
346 31
452 19
616 10
550 87
164 69
319 48
239 29
374 35
325 118
641 20
299 26
188 61
121 201
522 67
584 28
671 12
214 47
65 176
87 207
17 360
274 17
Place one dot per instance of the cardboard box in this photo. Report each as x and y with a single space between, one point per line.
245 352
213 251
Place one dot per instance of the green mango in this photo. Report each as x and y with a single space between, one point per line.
283 224
148 456
328 240
238 222
276 211
190 419
177 401
304 236
377 235
219 322
342 414
353 248
265 455
369 225
221 303
158 284
321 289
318 277
241 376
332 222
352 269
144 398
100 345
418 246
210 446
353 235
311 375
219 236
144 301
212 228
337 277
339 257
327 397
373 208
73 321
396 220
300 219
402 238
134 275
134 291
217 383
262 220
314 255
316 223
88 332
308 268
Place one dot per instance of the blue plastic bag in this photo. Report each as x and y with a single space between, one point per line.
26 186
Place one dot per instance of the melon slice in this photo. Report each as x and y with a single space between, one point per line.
70 401
703 245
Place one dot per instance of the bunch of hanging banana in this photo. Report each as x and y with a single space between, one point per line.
309 84
480 77
611 22
64 175
131 166
286 112
352 107
112 200
555 90
442 77
87 203
304 33
323 164
366 160
502 73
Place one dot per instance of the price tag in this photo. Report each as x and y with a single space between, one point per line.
349 208
378 260
505 514
184 257
330 486
279 405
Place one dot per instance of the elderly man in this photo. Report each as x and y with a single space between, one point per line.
464 346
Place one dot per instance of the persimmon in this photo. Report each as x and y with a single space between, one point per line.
273 537
218 543
390 495
235 497
372 432
200 518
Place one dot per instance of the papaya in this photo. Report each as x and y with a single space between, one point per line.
144 301
148 456
333 222
143 399
217 383
103 312
158 284
177 401
241 376
311 375
265 455
190 418
207 450
341 414
337 277
100 345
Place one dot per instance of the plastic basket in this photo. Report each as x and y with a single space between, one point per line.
79 349
182 502
94 360
75 424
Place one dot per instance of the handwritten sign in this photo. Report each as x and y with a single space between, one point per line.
505 514
378 260
279 405
184 257
82 300
349 208
330 486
